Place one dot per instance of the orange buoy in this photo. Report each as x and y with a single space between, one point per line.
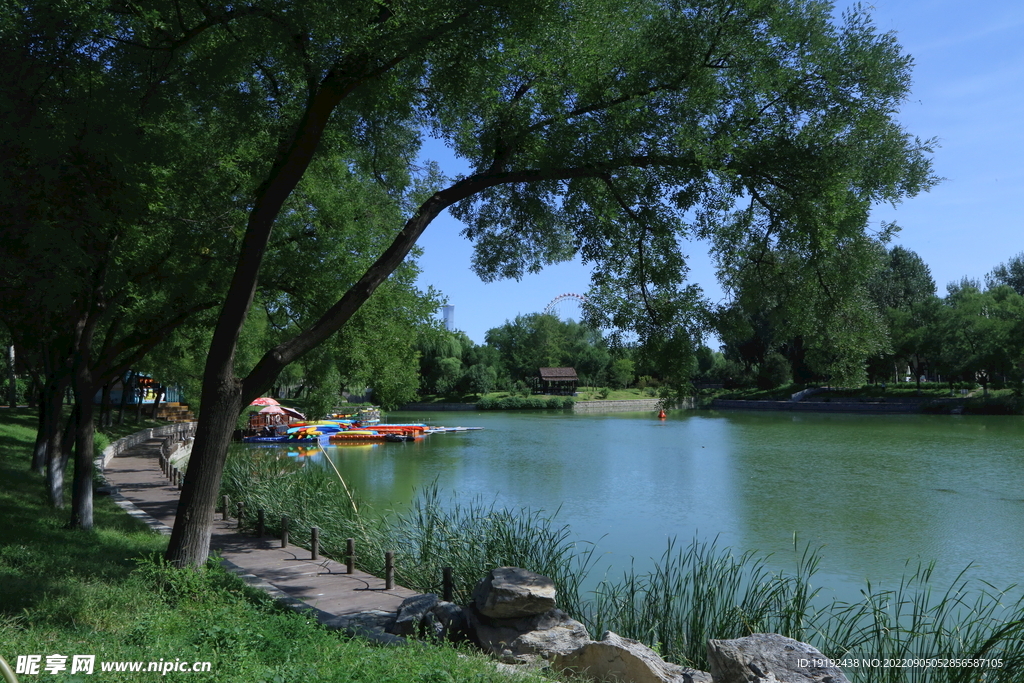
661 414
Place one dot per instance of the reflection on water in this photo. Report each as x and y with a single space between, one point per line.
874 490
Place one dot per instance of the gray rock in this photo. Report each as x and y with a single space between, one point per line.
412 613
527 639
547 643
450 622
374 625
511 592
769 658
615 658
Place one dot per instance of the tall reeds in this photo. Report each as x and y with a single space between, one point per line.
915 634
472 537
699 592
475 537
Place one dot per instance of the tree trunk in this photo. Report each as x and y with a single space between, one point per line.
59 452
105 406
85 402
81 486
139 395
35 389
125 383
156 401
42 436
50 410
189 544
12 381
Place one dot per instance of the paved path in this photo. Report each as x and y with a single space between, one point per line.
322 585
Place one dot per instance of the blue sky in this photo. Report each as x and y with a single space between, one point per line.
968 92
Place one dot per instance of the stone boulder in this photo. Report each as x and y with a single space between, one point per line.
769 658
511 592
614 658
412 613
376 626
427 616
567 636
526 639
449 622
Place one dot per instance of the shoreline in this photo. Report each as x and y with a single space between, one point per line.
595 406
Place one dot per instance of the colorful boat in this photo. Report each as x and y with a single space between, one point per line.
357 435
400 428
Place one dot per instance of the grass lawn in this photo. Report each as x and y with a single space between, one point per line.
105 593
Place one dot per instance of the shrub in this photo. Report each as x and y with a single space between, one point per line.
521 403
99 442
621 373
773 372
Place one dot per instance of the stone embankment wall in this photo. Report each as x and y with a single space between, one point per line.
634 405
820 406
177 437
439 406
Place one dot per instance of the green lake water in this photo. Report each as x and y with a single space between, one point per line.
875 491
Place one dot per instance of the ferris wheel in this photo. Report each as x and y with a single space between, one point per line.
566 307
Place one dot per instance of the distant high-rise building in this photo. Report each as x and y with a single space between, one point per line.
448 314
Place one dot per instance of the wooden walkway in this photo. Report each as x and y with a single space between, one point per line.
357 602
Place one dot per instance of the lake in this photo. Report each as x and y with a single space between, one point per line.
875 491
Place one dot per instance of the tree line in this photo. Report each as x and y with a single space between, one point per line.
451 364
974 334
904 330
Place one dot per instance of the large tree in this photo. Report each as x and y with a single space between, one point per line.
903 291
1010 274
612 144
534 341
814 308
97 260
980 332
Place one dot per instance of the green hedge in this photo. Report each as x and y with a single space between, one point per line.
525 403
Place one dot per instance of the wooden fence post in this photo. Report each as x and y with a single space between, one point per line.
389 570
350 556
261 522
241 513
448 588
314 544
284 531
227 507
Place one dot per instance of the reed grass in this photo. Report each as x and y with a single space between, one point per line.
476 537
700 592
914 621
472 537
